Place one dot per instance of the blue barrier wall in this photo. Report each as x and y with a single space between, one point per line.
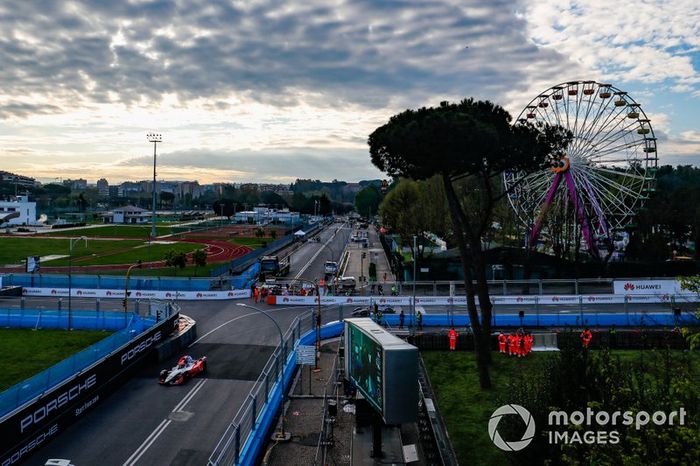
107 282
599 319
79 320
258 439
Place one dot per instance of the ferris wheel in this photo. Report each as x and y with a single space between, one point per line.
606 173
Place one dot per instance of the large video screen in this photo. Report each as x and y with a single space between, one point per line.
366 367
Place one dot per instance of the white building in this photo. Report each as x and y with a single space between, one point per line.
129 214
263 215
18 211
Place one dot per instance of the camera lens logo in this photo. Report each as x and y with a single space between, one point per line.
529 429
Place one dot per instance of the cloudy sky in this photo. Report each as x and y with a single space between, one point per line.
258 90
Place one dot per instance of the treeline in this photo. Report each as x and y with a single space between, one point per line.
666 227
669 224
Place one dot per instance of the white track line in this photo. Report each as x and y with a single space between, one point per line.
187 398
147 443
240 317
189 395
314 257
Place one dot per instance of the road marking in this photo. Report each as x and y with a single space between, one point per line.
308 263
147 443
187 398
240 317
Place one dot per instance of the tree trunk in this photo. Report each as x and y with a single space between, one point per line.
482 289
482 356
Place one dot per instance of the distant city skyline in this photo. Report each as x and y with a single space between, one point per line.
270 92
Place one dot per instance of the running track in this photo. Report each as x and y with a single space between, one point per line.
217 251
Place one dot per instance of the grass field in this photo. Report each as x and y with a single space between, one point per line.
117 231
251 242
143 251
466 409
16 250
31 351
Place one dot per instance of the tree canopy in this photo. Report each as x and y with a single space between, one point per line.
469 145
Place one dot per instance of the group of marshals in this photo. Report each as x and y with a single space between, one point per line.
515 344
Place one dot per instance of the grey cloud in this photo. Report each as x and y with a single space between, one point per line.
414 51
295 162
19 109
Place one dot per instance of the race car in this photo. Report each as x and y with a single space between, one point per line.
187 367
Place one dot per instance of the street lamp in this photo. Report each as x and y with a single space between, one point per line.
71 242
155 138
282 434
126 289
318 317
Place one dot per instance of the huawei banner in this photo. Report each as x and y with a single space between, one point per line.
647 287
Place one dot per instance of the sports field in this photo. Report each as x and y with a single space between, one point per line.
14 250
112 249
113 231
28 352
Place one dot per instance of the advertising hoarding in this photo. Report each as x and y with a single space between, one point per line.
648 287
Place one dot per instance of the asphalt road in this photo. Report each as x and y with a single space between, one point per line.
145 423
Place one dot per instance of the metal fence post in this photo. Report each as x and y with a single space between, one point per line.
236 444
254 412
97 305
277 367
267 388
505 287
580 310
21 303
60 302
576 286
539 283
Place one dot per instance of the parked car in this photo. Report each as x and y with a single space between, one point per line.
345 283
330 267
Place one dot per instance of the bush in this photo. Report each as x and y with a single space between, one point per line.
656 380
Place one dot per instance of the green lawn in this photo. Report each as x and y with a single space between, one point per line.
250 241
16 250
117 231
143 252
31 351
466 409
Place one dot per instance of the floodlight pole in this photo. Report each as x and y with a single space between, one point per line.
155 138
71 242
